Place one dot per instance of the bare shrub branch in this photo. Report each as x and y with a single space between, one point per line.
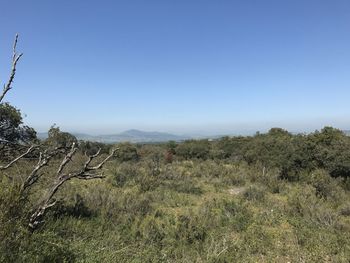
31 148
15 59
86 173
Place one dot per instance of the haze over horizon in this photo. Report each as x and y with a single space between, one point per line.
183 67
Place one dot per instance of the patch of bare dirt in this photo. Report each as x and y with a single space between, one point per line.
236 190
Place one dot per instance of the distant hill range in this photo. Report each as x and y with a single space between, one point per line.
137 136
133 136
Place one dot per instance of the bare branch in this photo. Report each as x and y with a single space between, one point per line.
34 175
50 205
99 166
15 59
18 158
67 159
14 48
90 158
86 172
87 176
37 216
44 159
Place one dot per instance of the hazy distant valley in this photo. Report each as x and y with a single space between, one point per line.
138 136
133 136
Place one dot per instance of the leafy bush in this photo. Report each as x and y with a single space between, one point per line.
325 186
155 211
305 203
193 149
253 193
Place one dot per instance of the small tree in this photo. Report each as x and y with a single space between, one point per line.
11 126
57 138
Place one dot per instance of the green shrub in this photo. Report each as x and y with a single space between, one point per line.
127 152
124 173
189 229
218 213
326 186
77 209
254 193
304 202
345 209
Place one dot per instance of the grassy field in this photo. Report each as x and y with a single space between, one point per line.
188 211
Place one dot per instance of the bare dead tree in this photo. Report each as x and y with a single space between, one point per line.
4 142
87 171
43 160
15 58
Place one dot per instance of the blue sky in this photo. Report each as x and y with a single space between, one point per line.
184 66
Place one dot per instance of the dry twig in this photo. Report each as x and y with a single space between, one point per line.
86 173
15 59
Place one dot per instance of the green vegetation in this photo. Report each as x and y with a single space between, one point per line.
11 125
273 197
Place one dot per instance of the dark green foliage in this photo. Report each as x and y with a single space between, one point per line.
226 213
327 149
326 187
345 209
194 149
305 202
127 152
17 243
11 217
230 147
330 150
46 247
254 193
171 147
77 209
190 230
11 125
57 138
91 148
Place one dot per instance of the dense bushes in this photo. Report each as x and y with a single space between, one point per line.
292 155
327 149
269 198
194 149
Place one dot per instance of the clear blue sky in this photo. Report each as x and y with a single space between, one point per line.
182 66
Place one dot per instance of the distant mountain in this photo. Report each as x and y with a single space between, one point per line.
143 136
127 136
